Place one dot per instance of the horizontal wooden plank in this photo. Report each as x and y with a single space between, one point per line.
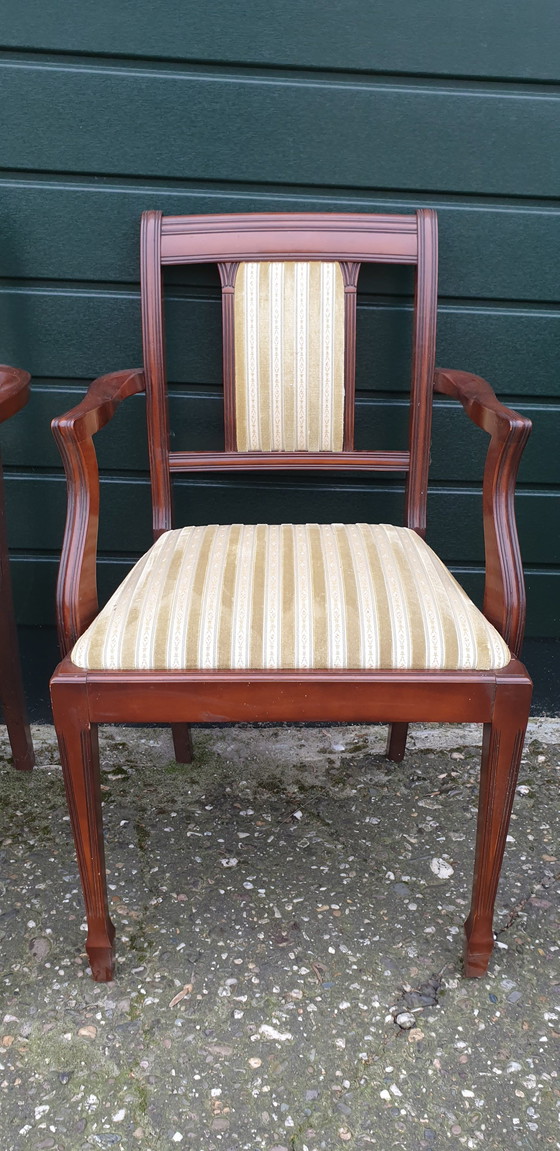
34 581
543 599
40 655
481 38
428 105
83 333
34 584
141 121
485 251
36 511
458 447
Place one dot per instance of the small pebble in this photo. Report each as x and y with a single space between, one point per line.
441 868
273 1033
405 1020
39 948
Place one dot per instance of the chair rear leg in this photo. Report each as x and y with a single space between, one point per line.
396 741
182 742
79 752
501 753
11 684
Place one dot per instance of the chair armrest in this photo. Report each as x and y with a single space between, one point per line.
14 391
504 588
76 596
99 404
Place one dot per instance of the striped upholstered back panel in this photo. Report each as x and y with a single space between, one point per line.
289 356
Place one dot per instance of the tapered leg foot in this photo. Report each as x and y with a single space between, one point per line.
182 742
396 742
99 947
19 736
102 963
79 754
501 753
479 944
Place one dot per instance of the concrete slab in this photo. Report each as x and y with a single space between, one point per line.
278 905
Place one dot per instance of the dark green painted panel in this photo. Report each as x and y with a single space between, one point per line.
543 599
170 123
102 141
479 38
84 333
37 509
39 653
515 349
34 582
82 231
458 447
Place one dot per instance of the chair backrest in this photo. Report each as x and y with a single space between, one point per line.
289 341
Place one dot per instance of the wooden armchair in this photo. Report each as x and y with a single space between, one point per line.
340 622
14 393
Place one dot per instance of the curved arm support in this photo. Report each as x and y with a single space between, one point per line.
504 588
76 597
14 391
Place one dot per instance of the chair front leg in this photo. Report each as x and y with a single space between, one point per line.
501 754
79 752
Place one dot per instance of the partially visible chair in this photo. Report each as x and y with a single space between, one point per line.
338 622
14 393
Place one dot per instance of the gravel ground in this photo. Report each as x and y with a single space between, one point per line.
278 904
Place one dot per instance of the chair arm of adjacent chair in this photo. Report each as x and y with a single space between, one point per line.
99 404
14 390
504 589
77 602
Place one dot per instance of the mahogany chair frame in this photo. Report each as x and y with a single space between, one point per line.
498 699
14 394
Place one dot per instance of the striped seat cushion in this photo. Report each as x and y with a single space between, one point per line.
290 596
289 356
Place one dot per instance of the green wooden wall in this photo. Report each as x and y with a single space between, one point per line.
114 107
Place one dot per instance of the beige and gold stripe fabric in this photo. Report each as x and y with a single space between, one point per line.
289 356
290 596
